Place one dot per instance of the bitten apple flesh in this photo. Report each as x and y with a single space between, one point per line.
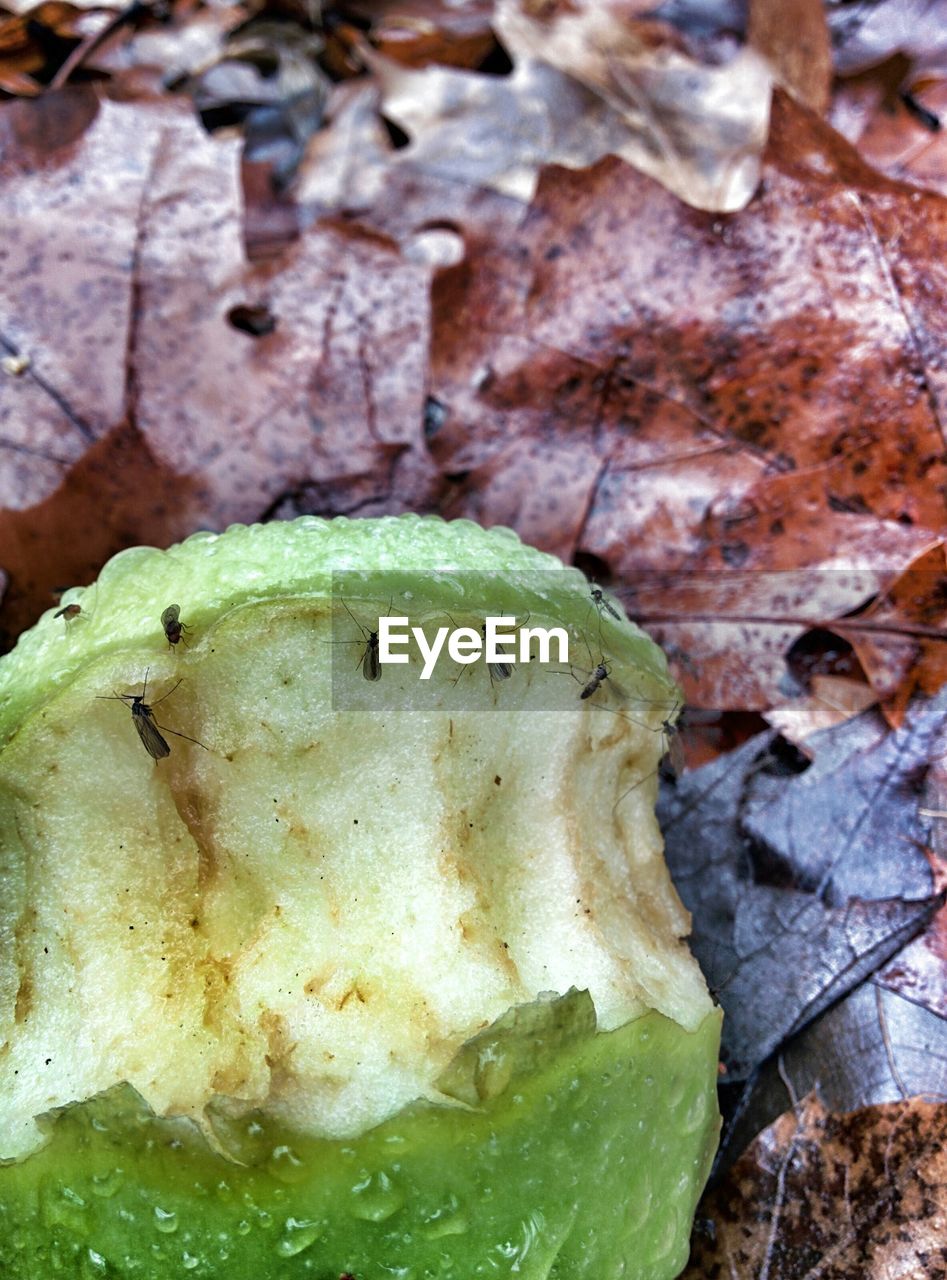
385 989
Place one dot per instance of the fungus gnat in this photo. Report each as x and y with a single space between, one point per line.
369 662
601 601
174 628
143 718
599 675
501 670
673 754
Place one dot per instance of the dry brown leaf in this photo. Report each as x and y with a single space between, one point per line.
901 640
418 32
794 36
833 1197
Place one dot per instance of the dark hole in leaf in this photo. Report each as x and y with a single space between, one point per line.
594 567
435 415
457 477
257 321
441 224
497 62
399 139
822 653
225 116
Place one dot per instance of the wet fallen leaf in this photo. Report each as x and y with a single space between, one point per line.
699 130
901 639
761 392
804 923
919 972
125 321
833 1196
865 35
848 826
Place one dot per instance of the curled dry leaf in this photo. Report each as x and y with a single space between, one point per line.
901 639
699 130
419 32
585 85
862 1194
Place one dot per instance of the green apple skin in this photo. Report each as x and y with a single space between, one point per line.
587 1167
568 1151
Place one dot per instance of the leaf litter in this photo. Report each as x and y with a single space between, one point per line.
645 387
827 1196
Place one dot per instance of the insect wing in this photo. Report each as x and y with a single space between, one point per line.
371 666
675 750
148 731
170 615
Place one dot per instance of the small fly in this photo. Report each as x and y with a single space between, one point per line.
672 759
369 661
174 628
68 612
599 676
501 670
143 718
601 601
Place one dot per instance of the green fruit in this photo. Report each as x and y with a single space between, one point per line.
377 977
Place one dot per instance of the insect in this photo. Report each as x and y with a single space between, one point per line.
502 670
143 718
68 612
599 675
601 601
673 754
173 626
371 667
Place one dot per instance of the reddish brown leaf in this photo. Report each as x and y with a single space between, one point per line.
27 41
833 1196
418 32
902 137
901 640
761 391
794 36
